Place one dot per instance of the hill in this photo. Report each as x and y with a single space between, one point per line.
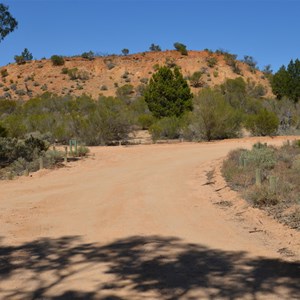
104 75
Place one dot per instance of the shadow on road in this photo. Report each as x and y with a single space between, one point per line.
162 266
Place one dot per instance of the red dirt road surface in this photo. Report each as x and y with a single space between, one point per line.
142 222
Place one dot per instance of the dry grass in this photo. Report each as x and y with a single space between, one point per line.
280 198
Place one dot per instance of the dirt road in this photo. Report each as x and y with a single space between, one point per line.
142 223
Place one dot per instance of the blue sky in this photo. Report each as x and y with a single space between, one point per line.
268 30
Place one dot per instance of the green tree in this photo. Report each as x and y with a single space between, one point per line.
181 48
168 93
7 22
286 82
154 48
213 117
27 55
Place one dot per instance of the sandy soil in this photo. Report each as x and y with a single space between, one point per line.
142 222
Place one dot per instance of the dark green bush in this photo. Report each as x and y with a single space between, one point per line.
264 123
57 60
181 48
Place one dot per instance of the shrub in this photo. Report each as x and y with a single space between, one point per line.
144 80
213 117
57 60
211 61
181 48
4 72
165 128
82 150
125 51
19 59
196 79
125 92
264 123
78 74
64 71
154 48
103 88
88 55
145 121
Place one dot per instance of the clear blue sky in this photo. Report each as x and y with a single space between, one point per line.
268 30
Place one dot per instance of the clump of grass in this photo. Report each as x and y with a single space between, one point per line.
278 189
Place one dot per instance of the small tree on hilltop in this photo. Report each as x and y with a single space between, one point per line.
125 51
168 93
27 55
154 48
181 48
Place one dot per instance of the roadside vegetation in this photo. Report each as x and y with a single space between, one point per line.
268 177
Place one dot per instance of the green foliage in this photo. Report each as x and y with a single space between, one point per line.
74 74
145 121
286 82
154 48
12 149
213 117
280 164
125 92
234 91
4 73
168 93
8 23
166 128
211 61
19 59
196 79
249 60
125 51
181 48
57 60
27 55
88 55
264 123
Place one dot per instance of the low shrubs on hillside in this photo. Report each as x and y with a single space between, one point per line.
268 178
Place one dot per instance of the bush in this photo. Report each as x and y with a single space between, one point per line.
19 59
88 55
196 80
166 128
125 92
213 117
154 48
181 48
57 60
264 123
82 150
4 72
211 61
145 121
